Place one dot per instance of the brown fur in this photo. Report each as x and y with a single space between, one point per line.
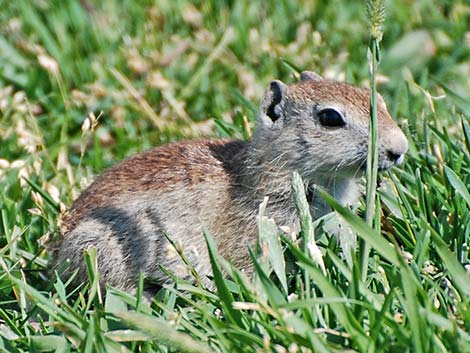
187 161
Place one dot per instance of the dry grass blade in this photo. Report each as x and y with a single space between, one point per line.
142 103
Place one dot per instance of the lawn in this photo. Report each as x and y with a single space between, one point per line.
83 84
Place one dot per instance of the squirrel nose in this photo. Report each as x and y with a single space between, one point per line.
397 146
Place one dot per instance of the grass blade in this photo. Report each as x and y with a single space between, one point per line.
274 295
225 296
457 184
369 235
44 194
49 343
163 332
460 276
270 245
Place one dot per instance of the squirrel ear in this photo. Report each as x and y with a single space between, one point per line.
270 111
310 76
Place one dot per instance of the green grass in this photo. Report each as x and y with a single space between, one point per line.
159 73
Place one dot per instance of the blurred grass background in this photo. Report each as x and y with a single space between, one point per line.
84 84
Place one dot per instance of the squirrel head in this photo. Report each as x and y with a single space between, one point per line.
321 127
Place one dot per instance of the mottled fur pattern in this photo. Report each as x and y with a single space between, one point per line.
176 188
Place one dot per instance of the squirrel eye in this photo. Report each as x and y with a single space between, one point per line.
331 117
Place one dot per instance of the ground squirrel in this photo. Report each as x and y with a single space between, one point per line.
315 126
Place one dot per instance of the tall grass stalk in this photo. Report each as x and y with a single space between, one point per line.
376 16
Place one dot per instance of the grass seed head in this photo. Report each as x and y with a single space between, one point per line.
48 63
